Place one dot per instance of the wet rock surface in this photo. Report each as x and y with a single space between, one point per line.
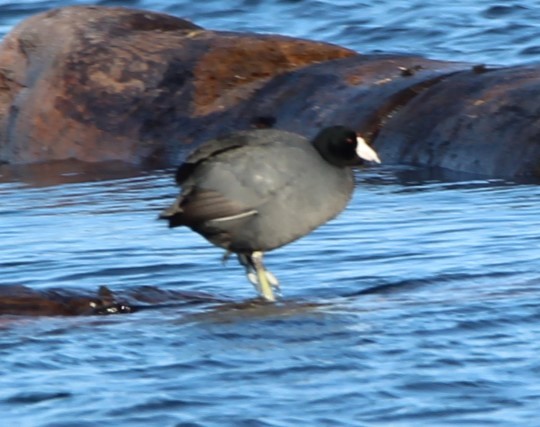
101 84
25 301
21 300
483 121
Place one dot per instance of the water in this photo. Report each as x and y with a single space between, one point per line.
419 305
482 31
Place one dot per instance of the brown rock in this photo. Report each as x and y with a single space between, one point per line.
96 83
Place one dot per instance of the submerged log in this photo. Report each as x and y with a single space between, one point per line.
24 301
20 300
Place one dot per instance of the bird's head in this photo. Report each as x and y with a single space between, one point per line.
341 146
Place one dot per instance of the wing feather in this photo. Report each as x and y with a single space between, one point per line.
200 206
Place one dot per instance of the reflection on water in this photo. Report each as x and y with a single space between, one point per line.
419 302
65 172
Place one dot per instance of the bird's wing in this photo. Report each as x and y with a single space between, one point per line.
220 145
252 175
209 149
199 205
233 177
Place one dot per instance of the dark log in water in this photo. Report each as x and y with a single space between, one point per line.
100 84
21 300
24 301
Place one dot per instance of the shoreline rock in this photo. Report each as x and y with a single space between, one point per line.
115 84
97 83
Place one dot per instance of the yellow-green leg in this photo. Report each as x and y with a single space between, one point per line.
265 288
262 279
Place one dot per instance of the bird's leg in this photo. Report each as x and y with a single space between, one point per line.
247 263
262 279
226 257
264 284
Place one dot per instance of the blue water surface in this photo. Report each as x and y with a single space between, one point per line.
418 306
483 31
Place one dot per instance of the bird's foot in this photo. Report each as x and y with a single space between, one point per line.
272 280
263 280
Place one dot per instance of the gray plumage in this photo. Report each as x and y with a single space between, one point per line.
257 190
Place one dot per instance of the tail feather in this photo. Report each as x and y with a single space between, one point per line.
173 214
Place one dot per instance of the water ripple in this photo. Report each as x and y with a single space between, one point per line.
417 306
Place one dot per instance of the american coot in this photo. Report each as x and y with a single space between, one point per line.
257 190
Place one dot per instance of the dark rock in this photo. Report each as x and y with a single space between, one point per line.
20 300
24 301
478 123
363 91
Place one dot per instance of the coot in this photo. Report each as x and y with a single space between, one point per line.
256 190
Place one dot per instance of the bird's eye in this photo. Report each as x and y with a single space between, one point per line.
350 141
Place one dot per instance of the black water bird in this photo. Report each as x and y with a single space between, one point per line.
256 190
